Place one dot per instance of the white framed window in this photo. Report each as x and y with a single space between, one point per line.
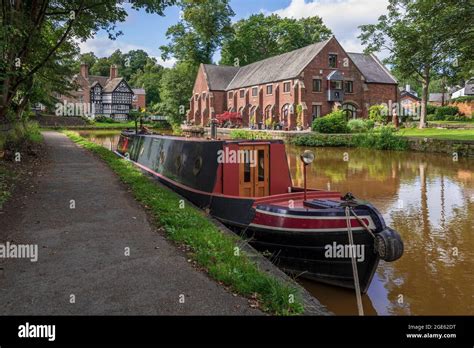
269 89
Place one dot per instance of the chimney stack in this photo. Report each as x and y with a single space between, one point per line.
113 71
407 88
85 70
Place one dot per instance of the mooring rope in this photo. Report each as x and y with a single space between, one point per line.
353 261
362 222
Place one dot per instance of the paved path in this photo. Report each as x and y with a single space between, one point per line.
82 250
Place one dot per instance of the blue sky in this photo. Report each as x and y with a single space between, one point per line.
147 31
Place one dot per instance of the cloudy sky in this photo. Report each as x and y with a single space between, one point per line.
147 31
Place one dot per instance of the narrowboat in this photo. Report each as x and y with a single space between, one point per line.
310 233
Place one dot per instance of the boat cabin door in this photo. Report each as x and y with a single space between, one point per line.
253 171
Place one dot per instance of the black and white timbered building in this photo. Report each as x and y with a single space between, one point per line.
113 100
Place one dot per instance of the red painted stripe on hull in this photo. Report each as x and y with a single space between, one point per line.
286 221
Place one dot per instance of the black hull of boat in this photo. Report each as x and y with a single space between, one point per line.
304 254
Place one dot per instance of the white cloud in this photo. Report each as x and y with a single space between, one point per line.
104 47
342 16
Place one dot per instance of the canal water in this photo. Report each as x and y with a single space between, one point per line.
427 198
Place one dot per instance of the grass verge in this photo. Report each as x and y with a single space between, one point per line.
446 134
210 248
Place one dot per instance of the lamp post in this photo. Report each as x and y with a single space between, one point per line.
307 157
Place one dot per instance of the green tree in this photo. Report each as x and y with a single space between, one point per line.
199 33
176 87
149 78
32 32
101 67
423 37
133 61
259 37
88 58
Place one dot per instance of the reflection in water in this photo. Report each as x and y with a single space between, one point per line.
428 198
107 139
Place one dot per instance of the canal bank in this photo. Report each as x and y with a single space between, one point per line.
98 252
461 148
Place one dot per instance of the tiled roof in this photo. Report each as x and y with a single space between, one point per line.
138 91
288 66
284 66
112 84
438 97
404 93
219 76
372 69
100 79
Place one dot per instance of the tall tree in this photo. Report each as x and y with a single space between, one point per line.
423 38
197 36
176 87
33 31
149 78
259 37
88 58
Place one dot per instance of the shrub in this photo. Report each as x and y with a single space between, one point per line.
377 113
321 140
359 126
431 109
431 117
251 135
335 122
20 136
103 119
444 111
463 99
385 139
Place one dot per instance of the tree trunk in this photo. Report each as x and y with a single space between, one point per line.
424 100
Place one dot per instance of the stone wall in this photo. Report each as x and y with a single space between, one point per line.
463 148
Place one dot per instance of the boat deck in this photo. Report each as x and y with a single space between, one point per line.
298 198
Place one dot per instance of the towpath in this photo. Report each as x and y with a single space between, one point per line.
82 266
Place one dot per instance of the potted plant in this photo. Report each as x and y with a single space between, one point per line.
252 121
268 123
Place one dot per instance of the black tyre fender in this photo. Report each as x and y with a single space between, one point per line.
389 245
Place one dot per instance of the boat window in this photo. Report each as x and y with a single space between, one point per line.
197 166
162 156
261 165
178 162
247 169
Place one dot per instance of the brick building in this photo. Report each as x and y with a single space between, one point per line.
108 96
409 101
307 82
139 99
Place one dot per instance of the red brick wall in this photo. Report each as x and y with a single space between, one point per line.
363 96
140 103
198 106
378 93
319 68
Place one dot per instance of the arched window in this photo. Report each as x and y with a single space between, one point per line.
268 112
285 113
253 115
350 110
